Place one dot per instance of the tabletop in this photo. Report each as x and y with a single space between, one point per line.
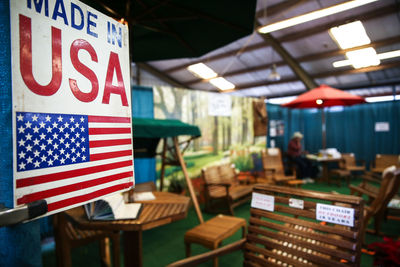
166 208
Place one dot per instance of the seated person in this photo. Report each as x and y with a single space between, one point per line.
305 169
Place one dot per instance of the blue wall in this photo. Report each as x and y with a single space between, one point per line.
349 129
143 107
20 244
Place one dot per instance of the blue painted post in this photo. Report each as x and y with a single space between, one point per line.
20 244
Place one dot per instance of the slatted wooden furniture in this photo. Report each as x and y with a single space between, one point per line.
166 208
291 236
221 186
67 236
347 167
380 196
274 171
382 161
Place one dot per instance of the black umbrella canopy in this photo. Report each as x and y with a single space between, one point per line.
180 29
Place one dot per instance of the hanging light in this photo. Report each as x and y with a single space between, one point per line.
274 75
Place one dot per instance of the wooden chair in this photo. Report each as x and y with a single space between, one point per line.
67 236
382 161
347 167
290 236
379 196
222 185
274 171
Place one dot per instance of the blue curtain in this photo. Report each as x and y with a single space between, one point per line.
143 107
349 129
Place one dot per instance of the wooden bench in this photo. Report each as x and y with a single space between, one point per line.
222 185
290 236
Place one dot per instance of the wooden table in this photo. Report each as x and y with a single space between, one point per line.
166 208
324 161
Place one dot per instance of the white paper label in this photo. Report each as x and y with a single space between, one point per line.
335 214
264 202
296 203
382 126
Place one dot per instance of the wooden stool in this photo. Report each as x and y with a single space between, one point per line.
211 233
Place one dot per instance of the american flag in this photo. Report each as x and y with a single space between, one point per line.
70 159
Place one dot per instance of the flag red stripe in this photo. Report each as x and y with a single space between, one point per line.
103 143
83 198
110 155
51 177
109 130
109 119
72 187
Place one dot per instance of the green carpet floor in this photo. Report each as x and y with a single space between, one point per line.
164 244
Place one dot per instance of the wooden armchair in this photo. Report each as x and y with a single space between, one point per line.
274 171
347 166
221 185
67 236
382 161
290 235
379 197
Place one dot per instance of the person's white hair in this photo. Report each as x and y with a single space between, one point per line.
297 135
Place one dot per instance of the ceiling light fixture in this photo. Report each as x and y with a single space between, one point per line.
222 84
202 71
274 75
313 15
381 56
363 58
350 35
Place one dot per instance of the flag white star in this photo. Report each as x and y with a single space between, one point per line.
61 140
61 129
72 129
62 151
49 129
62 161
28 136
34 117
66 125
67 155
73 159
21 155
82 119
28 124
29 159
42 147
72 119
35 129
21 142
83 158
55 145
78 144
83 149
60 119
49 141
22 166
72 140
36 142
42 136
77 135
21 129
48 118
42 124
73 150
66 135
50 152
77 125
78 154
82 129
55 157
50 162
36 153
37 164
67 145
83 139
20 117
55 136
28 148
43 158
55 125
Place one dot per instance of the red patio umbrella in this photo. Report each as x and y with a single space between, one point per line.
324 96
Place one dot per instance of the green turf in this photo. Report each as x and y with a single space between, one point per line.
164 244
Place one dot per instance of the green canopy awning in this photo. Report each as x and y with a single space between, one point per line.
148 132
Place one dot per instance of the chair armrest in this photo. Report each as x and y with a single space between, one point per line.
371 178
196 260
363 191
217 184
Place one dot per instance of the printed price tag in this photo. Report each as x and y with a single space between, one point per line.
264 202
296 203
335 214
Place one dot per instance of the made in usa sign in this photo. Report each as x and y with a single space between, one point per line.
72 129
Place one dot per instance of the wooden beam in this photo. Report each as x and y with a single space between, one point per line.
293 37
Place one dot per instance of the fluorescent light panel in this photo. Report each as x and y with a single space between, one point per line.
222 83
313 15
203 71
381 56
363 58
373 99
350 35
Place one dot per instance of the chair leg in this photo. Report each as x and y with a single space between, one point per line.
105 251
187 249
116 250
215 260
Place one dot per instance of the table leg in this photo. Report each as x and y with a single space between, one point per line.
325 172
133 248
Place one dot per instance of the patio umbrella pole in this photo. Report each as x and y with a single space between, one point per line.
323 128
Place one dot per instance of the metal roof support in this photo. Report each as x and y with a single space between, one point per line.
160 75
293 64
